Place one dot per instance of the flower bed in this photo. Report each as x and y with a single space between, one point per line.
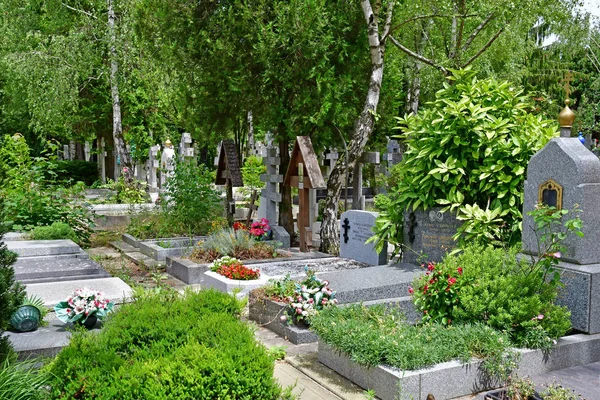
232 268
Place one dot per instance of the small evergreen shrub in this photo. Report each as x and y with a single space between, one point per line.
58 230
167 346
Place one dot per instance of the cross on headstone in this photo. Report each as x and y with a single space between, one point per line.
186 149
346 227
304 173
358 200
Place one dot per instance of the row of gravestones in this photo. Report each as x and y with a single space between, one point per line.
564 174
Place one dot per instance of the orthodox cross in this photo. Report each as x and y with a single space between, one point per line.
346 226
567 81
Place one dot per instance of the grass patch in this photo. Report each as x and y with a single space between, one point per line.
374 335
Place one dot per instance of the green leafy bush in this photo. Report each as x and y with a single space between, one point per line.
22 382
505 294
469 147
374 335
70 171
167 346
58 230
12 293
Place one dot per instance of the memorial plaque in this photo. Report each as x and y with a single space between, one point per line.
550 193
356 229
428 235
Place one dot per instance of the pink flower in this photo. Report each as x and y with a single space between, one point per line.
557 255
283 318
460 270
298 311
411 290
541 316
430 266
451 281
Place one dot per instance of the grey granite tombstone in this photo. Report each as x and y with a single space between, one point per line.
356 227
567 167
428 235
186 148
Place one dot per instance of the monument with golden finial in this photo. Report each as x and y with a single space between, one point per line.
566 175
566 116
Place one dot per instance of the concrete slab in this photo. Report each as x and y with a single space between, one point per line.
28 270
28 248
304 387
54 292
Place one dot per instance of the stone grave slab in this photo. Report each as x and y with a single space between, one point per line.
356 229
29 248
428 235
34 270
52 293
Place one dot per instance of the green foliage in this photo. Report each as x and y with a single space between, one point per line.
507 295
58 230
228 241
471 147
11 292
388 224
71 171
280 289
193 202
374 335
22 382
554 391
277 352
252 169
37 302
167 346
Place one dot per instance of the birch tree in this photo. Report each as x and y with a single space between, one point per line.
378 24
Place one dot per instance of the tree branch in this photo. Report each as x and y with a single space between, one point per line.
401 24
418 56
477 30
79 11
388 21
485 47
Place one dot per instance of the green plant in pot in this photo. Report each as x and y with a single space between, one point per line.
29 315
84 307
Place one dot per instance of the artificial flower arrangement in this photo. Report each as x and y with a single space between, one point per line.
310 296
260 229
233 268
82 305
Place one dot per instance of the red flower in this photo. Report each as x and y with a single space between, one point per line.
425 289
451 281
430 266
459 270
411 290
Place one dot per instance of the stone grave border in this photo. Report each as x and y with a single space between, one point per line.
465 379
222 284
151 247
192 273
266 312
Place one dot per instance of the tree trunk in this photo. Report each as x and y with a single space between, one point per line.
414 90
286 219
330 230
251 146
126 164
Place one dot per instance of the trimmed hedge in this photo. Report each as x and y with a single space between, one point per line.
167 346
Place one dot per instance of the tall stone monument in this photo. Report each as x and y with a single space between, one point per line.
565 174
167 163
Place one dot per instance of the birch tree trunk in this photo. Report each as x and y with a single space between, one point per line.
330 230
122 152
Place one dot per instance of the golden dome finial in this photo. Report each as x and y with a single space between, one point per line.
566 116
168 144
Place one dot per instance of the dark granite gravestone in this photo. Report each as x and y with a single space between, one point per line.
356 229
428 235
565 173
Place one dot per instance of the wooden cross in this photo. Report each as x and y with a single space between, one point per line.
567 81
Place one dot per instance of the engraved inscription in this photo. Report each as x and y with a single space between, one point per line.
360 232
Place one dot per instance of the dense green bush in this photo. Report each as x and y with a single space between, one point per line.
70 171
374 335
12 294
58 230
500 291
471 147
166 346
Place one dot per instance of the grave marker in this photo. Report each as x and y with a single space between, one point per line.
229 174
304 173
358 200
167 163
102 160
186 149
355 231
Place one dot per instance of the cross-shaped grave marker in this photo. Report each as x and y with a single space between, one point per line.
346 227
229 174
358 200
304 173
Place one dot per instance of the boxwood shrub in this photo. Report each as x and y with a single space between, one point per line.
167 347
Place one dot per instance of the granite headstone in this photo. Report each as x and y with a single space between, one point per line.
428 235
356 227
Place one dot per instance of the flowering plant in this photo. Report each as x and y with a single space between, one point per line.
82 304
310 296
260 229
436 292
233 268
239 225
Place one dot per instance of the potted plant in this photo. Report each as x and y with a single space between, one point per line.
84 307
29 315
